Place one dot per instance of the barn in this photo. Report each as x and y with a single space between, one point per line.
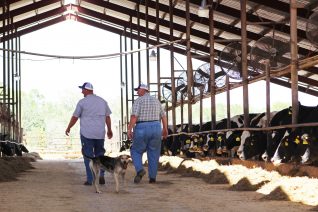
237 43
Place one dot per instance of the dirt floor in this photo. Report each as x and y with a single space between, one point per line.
57 185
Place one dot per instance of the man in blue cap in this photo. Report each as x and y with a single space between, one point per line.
146 114
94 113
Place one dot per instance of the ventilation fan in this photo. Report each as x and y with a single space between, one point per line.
273 49
202 77
312 28
180 89
196 86
230 61
182 85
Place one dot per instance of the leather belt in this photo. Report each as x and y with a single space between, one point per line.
145 121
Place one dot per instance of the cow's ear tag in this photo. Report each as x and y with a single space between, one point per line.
305 142
297 141
188 141
237 139
219 138
289 112
286 143
211 139
201 139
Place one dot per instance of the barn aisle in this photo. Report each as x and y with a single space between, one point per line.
56 185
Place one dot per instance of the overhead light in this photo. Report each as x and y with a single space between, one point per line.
203 10
153 56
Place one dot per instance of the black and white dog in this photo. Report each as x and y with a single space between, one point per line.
115 165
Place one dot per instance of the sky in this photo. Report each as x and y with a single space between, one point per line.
54 77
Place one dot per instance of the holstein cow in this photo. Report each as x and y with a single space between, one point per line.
233 141
166 144
215 142
243 152
209 146
19 148
172 143
126 144
308 149
5 148
260 144
301 145
287 148
195 148
181 142
222 144
10 148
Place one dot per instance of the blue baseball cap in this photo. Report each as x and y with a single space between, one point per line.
87 86
142 86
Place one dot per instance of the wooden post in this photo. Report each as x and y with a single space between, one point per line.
293 62
212 68
244 64
189 66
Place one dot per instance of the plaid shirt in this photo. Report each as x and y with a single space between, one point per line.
147 108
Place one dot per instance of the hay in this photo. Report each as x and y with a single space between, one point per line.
11 166
167 167
215 177
245 185
185 172
314 208
276 194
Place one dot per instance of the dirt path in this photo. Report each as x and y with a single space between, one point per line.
57 186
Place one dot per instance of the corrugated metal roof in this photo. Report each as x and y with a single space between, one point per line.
264 18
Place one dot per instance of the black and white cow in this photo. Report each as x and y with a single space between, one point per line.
5 148
301 144
242 151
308 149
126 144
173 143
209 146
10 148
306 114
233 141
220 144
288 148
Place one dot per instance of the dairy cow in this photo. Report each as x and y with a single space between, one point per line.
301 144
248 135
233 141
5 148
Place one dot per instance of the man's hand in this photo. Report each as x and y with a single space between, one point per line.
67 131
130 134
109 134
164 133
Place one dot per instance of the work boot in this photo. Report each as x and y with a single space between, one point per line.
87 183
139 176
152 180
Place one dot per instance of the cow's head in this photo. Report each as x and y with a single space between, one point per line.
245 135
254 145
304 148
220 142
286 150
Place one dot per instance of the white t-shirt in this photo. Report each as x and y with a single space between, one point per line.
92 111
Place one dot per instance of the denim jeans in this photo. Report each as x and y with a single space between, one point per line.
146 138
92 148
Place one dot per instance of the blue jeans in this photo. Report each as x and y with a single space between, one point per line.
92 148
146 138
